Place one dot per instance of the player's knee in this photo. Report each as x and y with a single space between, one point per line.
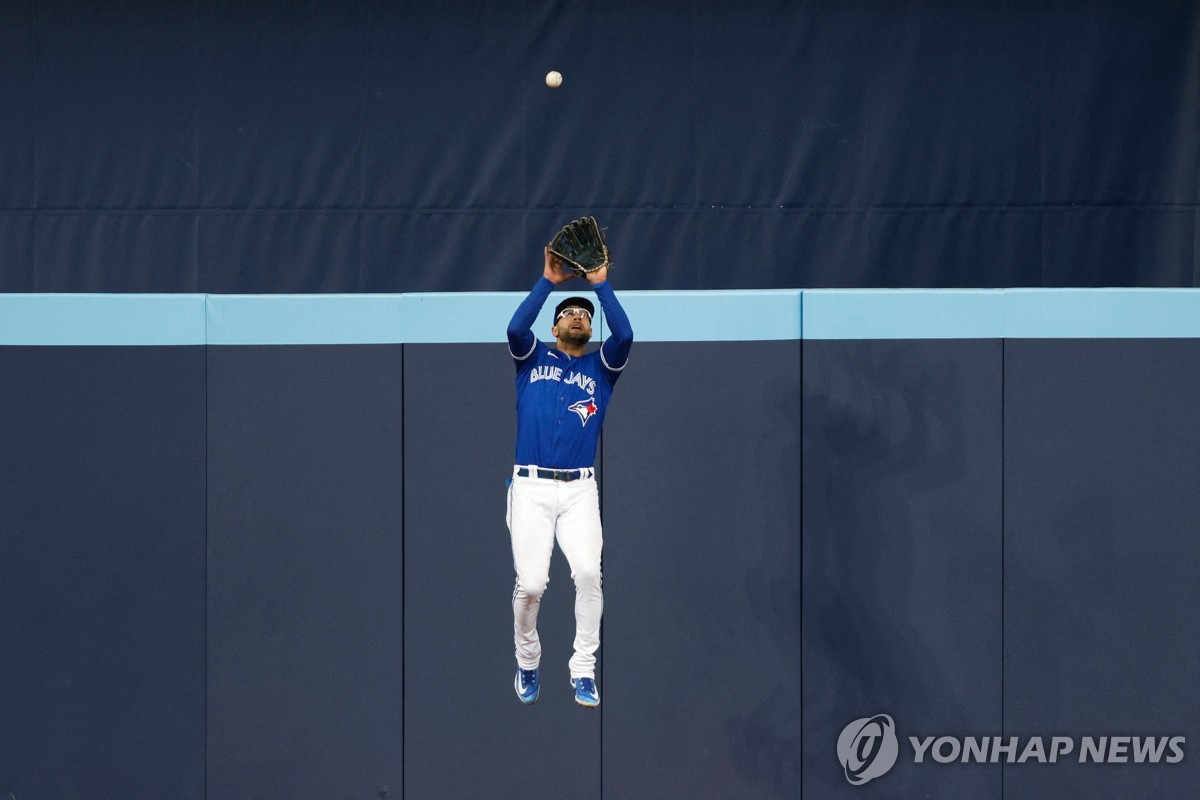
531 590
587 578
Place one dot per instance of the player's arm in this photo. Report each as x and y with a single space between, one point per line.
614 353
521 339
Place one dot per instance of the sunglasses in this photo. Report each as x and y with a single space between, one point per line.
573 312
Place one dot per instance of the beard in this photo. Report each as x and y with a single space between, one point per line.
575 338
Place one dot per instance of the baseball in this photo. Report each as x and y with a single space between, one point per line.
554 79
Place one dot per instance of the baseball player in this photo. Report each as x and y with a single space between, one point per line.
562 395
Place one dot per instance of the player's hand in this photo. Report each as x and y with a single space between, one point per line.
556 271
596 276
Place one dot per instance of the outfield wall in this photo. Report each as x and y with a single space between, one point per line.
255 546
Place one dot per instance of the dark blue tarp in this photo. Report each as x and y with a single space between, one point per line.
358 145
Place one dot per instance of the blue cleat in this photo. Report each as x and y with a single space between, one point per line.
527 685
586 692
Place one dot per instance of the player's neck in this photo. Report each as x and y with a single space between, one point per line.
575 351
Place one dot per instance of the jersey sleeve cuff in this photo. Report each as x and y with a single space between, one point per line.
604 361
527 355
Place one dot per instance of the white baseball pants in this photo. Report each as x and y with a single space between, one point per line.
540 510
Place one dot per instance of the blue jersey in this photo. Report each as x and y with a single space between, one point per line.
562 399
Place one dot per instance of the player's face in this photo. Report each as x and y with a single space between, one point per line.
574 326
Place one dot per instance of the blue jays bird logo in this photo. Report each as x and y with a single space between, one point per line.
584 408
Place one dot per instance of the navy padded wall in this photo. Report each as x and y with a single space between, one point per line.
701 510
1102 450
902 553
102 487
978 537
305 572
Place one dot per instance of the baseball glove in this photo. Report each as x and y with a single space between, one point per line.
581 244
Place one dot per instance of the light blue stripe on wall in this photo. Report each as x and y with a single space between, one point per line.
657 316
483 317
713 316
467 316
460 317
101 319
1102 313
902 314
305 319
1001 313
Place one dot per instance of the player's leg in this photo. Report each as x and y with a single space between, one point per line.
531 528
581 539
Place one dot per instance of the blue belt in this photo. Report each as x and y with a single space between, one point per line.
555 474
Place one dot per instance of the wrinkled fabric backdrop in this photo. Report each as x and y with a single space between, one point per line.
357 146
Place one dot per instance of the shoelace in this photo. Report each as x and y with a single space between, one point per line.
527 678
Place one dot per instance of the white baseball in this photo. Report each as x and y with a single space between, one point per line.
554 79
